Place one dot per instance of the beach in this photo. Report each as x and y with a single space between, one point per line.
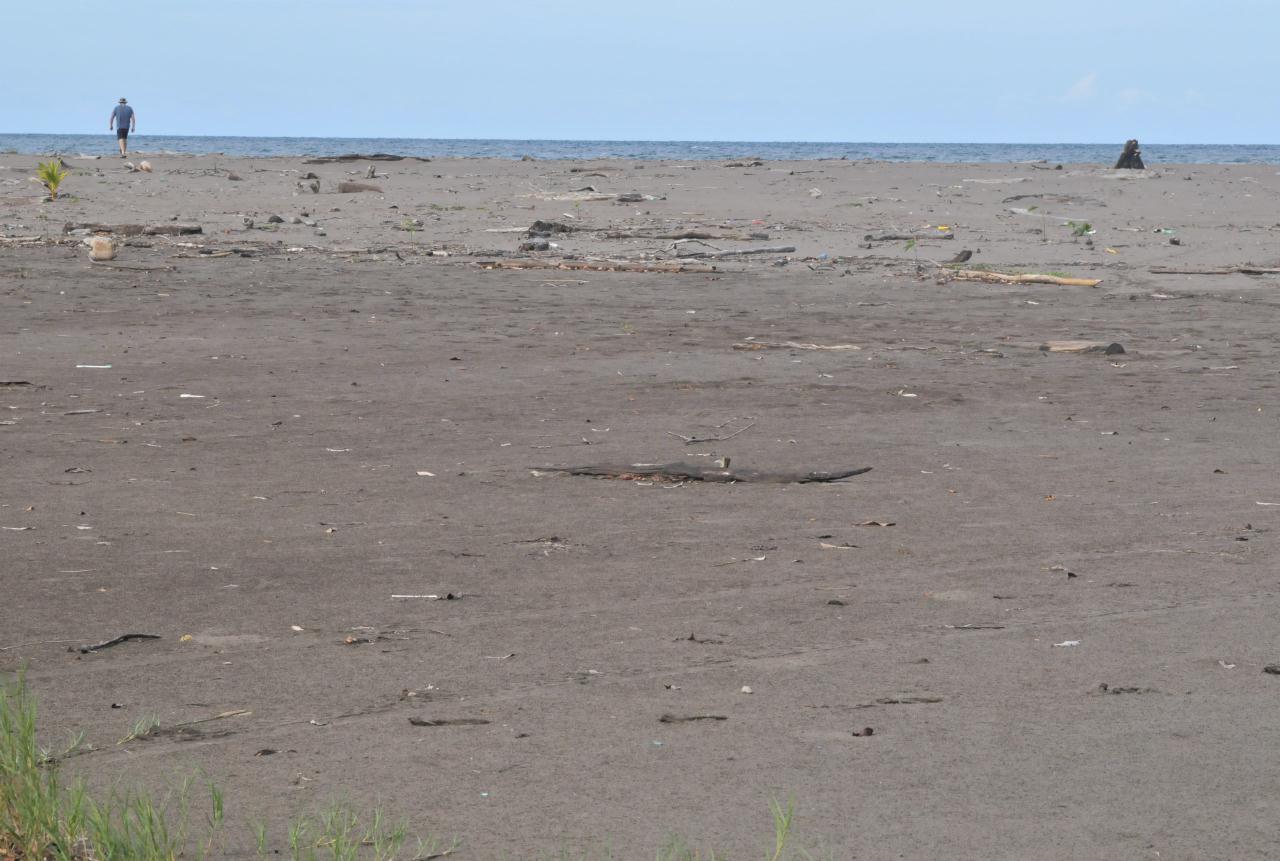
317 456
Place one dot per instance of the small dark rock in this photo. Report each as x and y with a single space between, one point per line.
1114 349
1273 669
544 229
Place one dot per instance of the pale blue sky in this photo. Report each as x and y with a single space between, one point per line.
1079 71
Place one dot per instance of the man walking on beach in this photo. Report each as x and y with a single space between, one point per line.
124 120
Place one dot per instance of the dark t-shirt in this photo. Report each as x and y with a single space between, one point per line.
123 114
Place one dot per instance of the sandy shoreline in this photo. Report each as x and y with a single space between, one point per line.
827 207
255 437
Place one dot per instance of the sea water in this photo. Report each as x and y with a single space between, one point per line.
971 153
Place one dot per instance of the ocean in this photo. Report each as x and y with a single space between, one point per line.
971 153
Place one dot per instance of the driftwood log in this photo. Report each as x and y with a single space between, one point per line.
355 187
701 472
1131 158
1246 269
738 252
377 156
134 229
906 237
1030 278
598 265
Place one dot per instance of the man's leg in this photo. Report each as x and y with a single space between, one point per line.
122 137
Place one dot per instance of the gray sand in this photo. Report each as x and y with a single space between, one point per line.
334 372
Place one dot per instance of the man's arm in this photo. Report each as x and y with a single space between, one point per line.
111 123
133 122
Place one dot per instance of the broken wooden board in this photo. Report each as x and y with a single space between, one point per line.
699 472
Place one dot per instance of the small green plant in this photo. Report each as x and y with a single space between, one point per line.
339 833
915 254
141 728
50 174
1080 228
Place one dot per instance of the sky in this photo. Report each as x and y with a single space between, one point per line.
1079 71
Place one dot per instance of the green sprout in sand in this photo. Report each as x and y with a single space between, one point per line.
50 174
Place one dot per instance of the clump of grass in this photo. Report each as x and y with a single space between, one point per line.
50 174
339 833
1080 228
43 818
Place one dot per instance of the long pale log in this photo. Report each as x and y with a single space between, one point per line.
1030 278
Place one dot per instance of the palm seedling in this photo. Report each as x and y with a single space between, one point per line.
50 174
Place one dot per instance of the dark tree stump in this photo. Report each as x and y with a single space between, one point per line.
1131 158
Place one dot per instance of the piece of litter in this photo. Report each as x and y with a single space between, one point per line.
1268 503
337 450
1226 666
295 627
746 689
1067 643
424 472
93 366
875 523
185 395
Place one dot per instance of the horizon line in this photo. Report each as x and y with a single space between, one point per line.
637 140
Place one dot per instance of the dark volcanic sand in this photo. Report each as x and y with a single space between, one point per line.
290 495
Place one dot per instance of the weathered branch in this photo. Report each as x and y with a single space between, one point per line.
377 156
738 252
596 265
134 229
699 472
1246 269
1030 278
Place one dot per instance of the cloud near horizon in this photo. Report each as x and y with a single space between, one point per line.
1083 90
